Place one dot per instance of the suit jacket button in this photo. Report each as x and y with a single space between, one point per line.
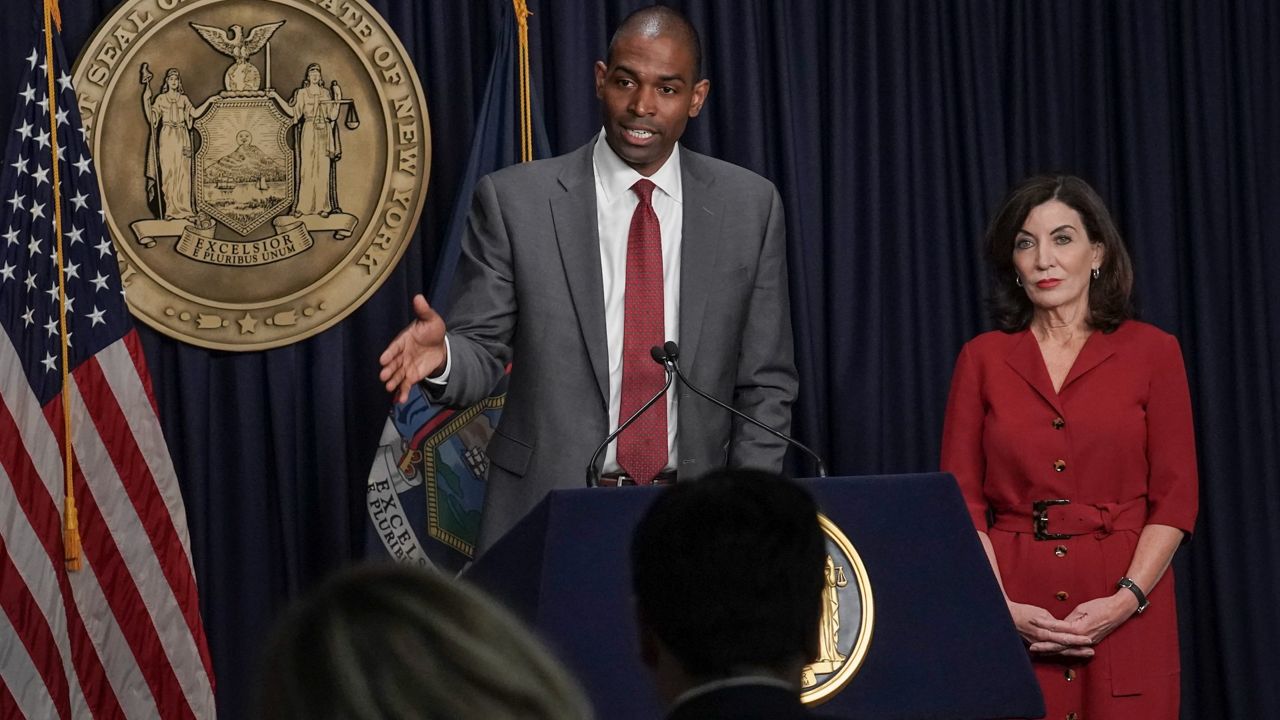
1060 551
1059 423
1061 595
1070 674
1059 465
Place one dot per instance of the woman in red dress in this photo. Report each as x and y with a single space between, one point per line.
1069 432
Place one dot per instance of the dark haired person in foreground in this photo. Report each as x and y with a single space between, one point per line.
573 267
395 642
1069 431
728 579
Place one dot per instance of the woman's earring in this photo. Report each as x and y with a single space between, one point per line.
1017 279
1096 273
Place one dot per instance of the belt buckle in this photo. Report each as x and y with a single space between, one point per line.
1040 519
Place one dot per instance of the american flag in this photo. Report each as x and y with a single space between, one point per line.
121 637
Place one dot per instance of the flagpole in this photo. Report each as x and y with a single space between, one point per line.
70 524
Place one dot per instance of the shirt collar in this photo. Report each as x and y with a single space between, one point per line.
739 681
615 178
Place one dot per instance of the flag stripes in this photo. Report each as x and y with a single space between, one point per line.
122 636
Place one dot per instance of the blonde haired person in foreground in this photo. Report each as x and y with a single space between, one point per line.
384 642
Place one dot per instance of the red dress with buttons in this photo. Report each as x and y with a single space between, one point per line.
1117 442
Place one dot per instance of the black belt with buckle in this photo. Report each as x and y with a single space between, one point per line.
666 477
1040 519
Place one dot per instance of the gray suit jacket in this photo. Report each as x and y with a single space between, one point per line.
528 290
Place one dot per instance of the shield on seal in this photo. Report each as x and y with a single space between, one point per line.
245 168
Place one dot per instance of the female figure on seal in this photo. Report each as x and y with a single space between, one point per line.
315 111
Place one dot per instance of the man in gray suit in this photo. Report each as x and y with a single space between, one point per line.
550 251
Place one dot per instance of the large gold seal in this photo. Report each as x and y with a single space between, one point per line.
263 163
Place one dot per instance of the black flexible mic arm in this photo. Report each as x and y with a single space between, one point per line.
593 478
671 356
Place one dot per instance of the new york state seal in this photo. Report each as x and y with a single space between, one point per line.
263 163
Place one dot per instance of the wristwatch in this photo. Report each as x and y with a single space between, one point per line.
1132 586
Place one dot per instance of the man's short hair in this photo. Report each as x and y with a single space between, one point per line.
656 20
728 572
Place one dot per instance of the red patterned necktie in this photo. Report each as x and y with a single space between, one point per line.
642 448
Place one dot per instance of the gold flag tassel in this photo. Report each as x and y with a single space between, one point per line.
70 523
526 100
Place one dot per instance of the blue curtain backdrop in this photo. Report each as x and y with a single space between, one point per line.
892 130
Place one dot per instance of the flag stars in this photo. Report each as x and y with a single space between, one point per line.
52 292
82 165
30 281
35 58
20 165
6 270
61 115
80 200
11 236
33 247
29 94
96 316
16 201
43 102
73 271
99 281
42 139
41 175
37 211
52 326
28 317
70 307
74 235
64 80
103 247
49 362
25 131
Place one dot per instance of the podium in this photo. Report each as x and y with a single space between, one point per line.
942 645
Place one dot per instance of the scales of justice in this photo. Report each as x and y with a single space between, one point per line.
261 158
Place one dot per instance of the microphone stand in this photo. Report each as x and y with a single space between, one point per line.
670 358
593 478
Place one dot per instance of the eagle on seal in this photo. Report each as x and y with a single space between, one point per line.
233 42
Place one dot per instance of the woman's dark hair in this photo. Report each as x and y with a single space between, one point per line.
1110 295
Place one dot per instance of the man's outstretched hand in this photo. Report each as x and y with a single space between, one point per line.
416 353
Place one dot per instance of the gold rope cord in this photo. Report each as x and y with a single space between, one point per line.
70 523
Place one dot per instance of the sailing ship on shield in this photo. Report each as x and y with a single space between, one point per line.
260 158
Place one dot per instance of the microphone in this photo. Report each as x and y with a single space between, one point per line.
670 357
593 478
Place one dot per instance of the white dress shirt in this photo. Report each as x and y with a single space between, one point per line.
615 204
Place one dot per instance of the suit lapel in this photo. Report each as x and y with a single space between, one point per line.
578 235
1026 360
700 244
1096 350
